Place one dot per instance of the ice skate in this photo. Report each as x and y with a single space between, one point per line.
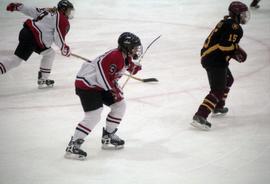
45 83
220 111
73 150
111 141
201 123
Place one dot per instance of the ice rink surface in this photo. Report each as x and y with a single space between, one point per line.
161 146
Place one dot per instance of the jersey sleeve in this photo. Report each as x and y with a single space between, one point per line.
107 70
30 11
232 33
61 29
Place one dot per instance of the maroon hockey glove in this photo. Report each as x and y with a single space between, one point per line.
13 6
117 93
66 51
240 55
134 68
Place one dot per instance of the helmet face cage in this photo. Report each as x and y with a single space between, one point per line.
130 44
67 7
244 17
137 52
239 11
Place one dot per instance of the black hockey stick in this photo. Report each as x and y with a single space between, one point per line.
142 80
131 76
142 57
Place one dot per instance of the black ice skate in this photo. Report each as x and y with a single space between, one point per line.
44 83
200 122
73 150
111 141
220 111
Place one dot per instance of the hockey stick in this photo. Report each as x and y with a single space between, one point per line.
80 57
142 58
142 80
131 76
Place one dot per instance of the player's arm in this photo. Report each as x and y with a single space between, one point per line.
133 67
61 30
228 43
29 11
107 68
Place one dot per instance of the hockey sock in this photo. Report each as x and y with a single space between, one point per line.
2 69
90 120
9 63
221 103
46 63
207 106
115 116
112 123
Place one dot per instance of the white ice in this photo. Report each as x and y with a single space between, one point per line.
161 146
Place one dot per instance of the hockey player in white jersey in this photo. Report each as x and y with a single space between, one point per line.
97 84
48 26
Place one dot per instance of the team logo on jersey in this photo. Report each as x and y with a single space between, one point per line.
235 26
112 68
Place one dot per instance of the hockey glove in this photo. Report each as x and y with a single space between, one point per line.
240 55
117 93
66 51
13 7
134 68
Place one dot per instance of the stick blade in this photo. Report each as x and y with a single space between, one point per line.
150 80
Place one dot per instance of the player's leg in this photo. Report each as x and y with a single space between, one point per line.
220 107
217 79
113 120
9 63
48 56
23 51
92 106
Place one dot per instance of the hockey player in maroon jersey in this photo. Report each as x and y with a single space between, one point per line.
97 84
48 26
220 46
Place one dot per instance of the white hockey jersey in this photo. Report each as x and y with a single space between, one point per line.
48 25
103 72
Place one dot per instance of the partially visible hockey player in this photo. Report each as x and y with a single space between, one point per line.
97 84
220 46
48 26
255 4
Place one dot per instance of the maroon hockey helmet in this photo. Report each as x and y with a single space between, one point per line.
239 11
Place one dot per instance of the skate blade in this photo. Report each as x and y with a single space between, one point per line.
74 156
111 147
200 126
218 114
44 86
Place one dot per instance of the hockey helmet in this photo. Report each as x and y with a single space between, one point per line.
239 11
130 44
67 7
